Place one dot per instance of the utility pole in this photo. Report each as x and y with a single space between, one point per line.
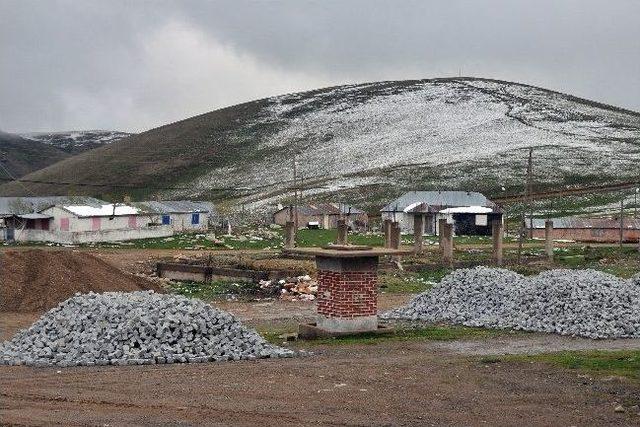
530 191
295 190
621 221
523 223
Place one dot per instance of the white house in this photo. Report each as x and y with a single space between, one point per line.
470 212
87 223
181 215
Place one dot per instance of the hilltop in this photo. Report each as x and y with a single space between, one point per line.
369 142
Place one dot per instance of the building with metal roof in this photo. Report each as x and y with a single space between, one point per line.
181 215
23 205
322 215
469 211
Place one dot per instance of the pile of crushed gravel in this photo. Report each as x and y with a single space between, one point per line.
118 328
584 303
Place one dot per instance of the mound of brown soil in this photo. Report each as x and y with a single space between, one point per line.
37 280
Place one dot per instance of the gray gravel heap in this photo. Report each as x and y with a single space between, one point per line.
119 328
584 303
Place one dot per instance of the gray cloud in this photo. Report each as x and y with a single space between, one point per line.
136 65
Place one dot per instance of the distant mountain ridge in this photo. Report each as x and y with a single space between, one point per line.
75 142
367 143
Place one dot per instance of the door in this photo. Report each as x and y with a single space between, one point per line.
11 235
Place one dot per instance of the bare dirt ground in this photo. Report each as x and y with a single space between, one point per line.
416 382
387 384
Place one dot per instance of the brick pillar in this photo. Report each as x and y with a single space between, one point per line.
497 232
342 232
395 235
386 225
289 234
347 294
418 230
548 238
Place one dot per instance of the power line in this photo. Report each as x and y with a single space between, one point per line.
14 179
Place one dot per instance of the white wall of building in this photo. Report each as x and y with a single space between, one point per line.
77 237
84 224
404 219
183 221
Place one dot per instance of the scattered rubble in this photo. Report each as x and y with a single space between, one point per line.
136 328
584 303
301 288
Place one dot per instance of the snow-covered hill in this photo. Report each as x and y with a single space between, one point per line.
457 133
369 142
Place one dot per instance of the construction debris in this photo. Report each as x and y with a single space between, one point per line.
301 288
584 303
137 328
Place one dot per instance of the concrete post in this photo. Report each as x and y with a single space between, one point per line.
386 226
418 230
497 231
548 238
447 242
342 232
289 234
441 225
395 235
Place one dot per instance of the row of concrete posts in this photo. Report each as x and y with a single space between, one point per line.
392 237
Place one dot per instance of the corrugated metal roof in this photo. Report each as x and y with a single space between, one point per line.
576 222
326 209
34 216
102 210
174 206
467 209
439 199
23 205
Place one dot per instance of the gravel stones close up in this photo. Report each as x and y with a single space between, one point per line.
585 303
118 328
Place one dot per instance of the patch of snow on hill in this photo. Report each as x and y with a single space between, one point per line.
367 129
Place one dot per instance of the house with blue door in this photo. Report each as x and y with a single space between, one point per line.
181 215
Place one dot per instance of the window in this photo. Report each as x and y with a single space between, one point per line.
166 220
482 220
195 218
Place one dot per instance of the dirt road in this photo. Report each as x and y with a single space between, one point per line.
387 384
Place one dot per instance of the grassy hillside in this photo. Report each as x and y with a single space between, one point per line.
368 142
21 156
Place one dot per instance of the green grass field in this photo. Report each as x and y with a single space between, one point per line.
624 363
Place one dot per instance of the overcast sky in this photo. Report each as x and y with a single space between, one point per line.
134 65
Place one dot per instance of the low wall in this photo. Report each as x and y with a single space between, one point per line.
204 273
596 235
78 237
